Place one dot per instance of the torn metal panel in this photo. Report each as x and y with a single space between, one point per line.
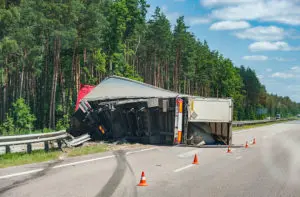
115 87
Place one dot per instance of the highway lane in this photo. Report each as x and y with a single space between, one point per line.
269 168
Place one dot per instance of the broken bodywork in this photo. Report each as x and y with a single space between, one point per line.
121 108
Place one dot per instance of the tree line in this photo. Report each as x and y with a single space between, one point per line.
48 48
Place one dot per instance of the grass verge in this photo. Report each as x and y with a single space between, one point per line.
37 156
15 159
257 125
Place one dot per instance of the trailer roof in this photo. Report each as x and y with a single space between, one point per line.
115 87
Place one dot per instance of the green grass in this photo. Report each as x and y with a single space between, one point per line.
87 150
257 125
15 159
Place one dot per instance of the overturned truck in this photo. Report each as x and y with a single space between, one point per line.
120 108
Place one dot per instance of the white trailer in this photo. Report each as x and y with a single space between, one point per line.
204 121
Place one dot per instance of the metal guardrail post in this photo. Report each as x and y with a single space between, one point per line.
29 148
59 144
46 146
7 149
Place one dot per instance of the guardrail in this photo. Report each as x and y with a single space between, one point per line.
8 141
253 122
250 122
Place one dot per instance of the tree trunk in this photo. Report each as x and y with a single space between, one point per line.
154 69
22 79
62 85
43 94
175 71
4 100
167 76
74 64
56 62
77 74
84 63
158 75
184 85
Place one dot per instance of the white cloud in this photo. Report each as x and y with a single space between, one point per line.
281 59
271 46
294 87
283 75
269 70
164 8
260 76
260 33
229 25
171 16
198 20
291 20
211 3
256 58
287 12
295 69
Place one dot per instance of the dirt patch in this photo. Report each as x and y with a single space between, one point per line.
119 146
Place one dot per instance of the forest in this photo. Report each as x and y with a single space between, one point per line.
48 48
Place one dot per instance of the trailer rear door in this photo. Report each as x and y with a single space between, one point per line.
210 110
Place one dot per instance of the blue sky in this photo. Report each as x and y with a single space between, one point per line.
261 34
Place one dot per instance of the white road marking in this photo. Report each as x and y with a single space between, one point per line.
189 153
21 173
84 161
183 168
70 164
138 151
239 157
241 131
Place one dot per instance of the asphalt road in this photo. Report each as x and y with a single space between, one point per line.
269 168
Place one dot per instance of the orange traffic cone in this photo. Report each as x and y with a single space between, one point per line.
143 180
254 141
228 149
246 146
195 159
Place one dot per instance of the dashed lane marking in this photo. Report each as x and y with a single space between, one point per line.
84 161
142 150
238 157
21 173
183 168
189 153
